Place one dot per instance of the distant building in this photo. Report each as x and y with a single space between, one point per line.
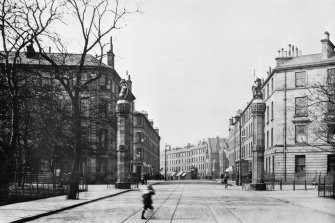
200 161
292 150
146 146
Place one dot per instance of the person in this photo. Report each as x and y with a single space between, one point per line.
225 181
222 178
142 179
237 179
250 176
147 199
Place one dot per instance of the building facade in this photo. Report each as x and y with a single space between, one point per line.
194 161
97 111
146 146
292 150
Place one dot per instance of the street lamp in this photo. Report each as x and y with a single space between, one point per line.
165 163
233 121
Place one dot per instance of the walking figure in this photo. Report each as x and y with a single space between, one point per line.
147 199
225 181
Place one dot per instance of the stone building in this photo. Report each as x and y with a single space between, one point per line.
146 146
194 161
292 150
99 123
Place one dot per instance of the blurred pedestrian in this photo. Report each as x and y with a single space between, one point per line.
250 176
142 179
147 199
225 180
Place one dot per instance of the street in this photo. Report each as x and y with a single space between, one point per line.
204 203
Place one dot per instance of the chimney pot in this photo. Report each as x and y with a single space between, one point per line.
326 35
296 51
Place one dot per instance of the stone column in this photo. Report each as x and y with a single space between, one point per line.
258 113
123 162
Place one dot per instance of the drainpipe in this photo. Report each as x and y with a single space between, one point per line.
285 124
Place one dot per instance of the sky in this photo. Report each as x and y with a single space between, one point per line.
192 62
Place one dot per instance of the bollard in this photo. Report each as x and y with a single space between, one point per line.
281 184
305 185
294 184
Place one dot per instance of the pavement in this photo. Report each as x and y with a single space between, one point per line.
305 203
30 210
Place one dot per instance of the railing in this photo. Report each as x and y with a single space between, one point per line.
41 185
326 186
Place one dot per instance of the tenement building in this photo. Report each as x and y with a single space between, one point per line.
50 151
146 146
194 161
294 149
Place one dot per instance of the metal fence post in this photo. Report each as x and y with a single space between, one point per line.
305 185
281 184
319 186
293 184
324 186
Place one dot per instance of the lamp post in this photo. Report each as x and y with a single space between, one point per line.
233 121
240 166
165 163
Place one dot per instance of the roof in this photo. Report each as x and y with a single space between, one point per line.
69 59
311 59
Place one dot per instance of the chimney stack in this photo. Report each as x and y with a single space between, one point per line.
296 51
292 51
327 47
289 50
110 54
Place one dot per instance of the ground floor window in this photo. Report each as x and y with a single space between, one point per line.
300 165
331 164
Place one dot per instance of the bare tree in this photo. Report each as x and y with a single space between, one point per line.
96 19
21 21
321 109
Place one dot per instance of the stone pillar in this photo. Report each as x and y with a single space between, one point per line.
123 150
258 113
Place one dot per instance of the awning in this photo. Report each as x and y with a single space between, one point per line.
172 174
180 173
229 169
184 174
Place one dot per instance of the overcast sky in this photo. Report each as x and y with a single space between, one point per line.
192 61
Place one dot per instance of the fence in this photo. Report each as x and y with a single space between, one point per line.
41 185
305 180
326 186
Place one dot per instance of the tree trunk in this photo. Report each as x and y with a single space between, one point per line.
75 174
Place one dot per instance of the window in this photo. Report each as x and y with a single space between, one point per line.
331 76
300 79
267 90
266 164
271 136
267 114
300 164
138 137
300 134
271 110
103 137
331 164
273 164
272 84
301 106
267 139
102 81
